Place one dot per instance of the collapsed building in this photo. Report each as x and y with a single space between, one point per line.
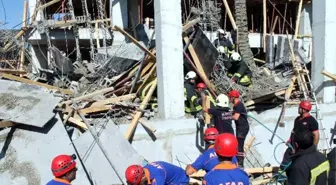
94 57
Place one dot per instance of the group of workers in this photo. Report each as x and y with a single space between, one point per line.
303 164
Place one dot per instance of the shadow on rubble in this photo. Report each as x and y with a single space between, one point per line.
8 139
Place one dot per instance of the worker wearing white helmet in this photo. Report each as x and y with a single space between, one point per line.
223 43
239 72
190 96
222 114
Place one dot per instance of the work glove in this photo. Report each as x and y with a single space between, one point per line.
235 79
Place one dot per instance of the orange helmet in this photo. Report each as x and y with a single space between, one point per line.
305 104
226 145
62 164
234 94
210 134
133 174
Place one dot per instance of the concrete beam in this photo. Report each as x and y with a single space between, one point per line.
324 44
169 53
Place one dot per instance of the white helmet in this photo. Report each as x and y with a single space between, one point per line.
221 49
221 31
222 100
190 75
235 56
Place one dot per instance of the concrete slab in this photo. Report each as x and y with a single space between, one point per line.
120 152
28 104
26 154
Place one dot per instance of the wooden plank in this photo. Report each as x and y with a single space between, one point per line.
228 10
298 19
327 74
199 66
90 110
150 73
23 49
248 144
87 96
77 122
5 123
290 88
113 100
138 114
27 81
190 24
265 23
143 48
13 71
206 107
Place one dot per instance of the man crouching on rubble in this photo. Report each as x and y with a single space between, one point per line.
156 173
64 169
208 160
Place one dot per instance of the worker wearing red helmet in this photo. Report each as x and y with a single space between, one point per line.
64 169
202 90
156 173
304 122
239 116
208 160
226 147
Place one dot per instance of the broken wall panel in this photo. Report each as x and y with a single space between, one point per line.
27 104
206 51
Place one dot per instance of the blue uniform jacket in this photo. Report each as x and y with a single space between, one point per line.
208 160
163 173
226 174
58 181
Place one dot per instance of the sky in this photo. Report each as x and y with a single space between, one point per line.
11 12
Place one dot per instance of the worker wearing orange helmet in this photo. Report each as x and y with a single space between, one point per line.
226 147
208 160
304 122
64 169
156 173
242 126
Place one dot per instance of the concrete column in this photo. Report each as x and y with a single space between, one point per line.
305 28
31 7
169 52
119 13
324 44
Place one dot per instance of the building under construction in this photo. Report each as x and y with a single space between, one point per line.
72 77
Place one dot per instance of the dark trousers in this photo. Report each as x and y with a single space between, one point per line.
241 136
286 159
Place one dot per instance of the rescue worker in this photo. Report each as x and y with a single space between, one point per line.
156 173
223 43
226 172
64 169
309 166
153 101
208 160
332 161
201 88
222 114
239 116
190 96
304 122
238 71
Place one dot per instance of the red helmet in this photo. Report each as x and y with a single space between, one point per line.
62 164
305 104
210 134
234 94
201 85
226 145
133 174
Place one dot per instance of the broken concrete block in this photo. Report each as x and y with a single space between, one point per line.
119 151
27 152
27 104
